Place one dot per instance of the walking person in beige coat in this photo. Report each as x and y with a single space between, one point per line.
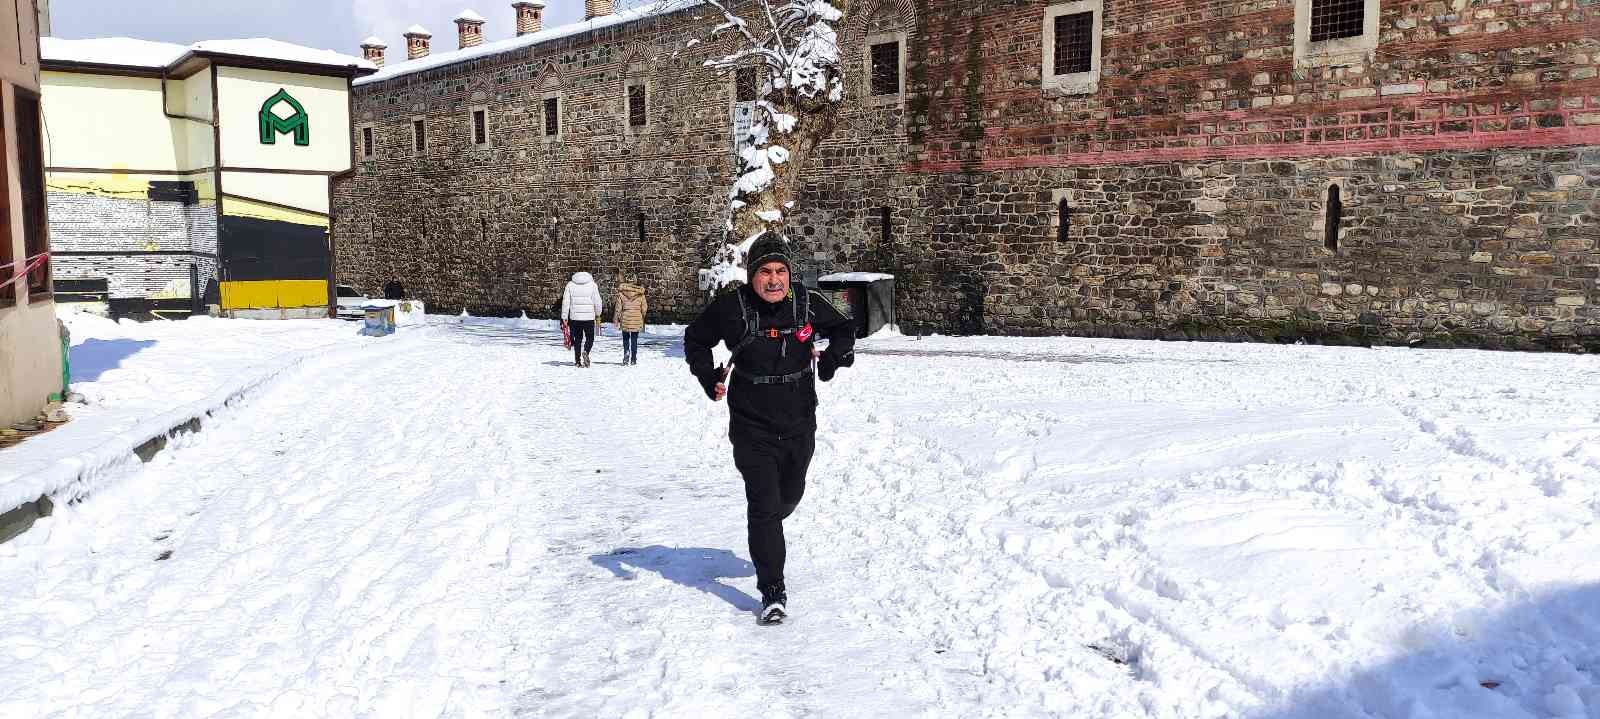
628 310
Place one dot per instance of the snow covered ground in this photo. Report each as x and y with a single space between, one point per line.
453 521
141 380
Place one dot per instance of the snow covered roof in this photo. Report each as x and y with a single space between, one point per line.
111 51
469 16
270 49
442 59
128 52
418 30
373 41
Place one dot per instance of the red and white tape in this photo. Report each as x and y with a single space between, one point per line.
28 266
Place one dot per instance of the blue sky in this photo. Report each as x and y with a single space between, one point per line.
332 24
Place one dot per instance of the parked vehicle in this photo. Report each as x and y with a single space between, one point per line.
350 302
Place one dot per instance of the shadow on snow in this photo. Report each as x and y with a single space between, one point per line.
694 567
1537 658
94 357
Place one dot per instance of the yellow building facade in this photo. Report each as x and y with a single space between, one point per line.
183 176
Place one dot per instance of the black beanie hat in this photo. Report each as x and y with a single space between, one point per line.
769 248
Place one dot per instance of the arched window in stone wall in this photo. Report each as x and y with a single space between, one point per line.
876 39
478 125
638 99
551 97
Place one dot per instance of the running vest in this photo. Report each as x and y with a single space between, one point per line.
799 328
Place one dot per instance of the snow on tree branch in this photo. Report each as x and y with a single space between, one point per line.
794 46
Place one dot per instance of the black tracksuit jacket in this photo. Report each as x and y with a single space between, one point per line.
768 411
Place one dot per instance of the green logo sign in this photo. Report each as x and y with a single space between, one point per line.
271 124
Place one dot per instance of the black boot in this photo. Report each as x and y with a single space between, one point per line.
774 604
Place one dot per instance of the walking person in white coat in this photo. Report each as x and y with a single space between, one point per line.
580 312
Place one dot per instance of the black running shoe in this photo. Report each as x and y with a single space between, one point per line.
774 604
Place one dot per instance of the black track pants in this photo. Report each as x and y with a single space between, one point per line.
582 338
774 480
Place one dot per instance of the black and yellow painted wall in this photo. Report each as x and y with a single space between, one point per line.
273 256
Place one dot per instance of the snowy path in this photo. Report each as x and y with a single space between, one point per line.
464 525
445 544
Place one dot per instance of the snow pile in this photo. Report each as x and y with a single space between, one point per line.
129 52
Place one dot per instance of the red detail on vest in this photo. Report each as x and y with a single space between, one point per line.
774 333
804 335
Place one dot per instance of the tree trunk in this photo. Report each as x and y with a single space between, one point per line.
767 210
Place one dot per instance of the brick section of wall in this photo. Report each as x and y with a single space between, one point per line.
90 223
1466 147
1184 81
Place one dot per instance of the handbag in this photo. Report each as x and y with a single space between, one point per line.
566 335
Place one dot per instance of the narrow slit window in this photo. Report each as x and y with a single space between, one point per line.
1336 19
744 85
886 68
480 127
1063 219
886 226
1074 43
636 107
366 142
1335 214
641 227
552 117
419 136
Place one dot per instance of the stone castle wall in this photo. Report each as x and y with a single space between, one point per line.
1465 146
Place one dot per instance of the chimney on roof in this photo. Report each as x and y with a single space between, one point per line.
417 38
469 29
596 8
372 49
530 16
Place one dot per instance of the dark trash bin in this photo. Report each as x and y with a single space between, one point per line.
867 298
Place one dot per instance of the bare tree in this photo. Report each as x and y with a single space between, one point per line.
794 46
